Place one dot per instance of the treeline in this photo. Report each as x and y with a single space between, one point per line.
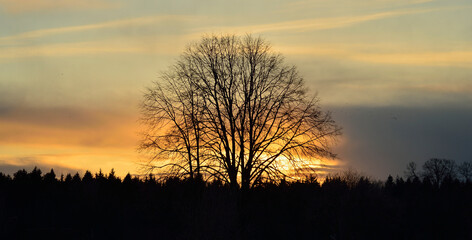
343 206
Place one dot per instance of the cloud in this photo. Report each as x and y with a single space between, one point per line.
67 139
24 6
363 3
69 49
454 58
298 25
445 88
376 55
382 140
132 44
26 44
67 127
131 22
317 23
167 45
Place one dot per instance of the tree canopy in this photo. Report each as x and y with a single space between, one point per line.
231 109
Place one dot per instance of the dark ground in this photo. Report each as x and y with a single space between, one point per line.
36 206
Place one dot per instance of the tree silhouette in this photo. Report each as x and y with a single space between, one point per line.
231 109
35 175
88 177
465 170
50 177
20 176
410 172
76 178
127 179
4 178
68 178
438 170
112 178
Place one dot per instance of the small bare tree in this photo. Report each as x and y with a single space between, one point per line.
231 109
465 170
410 172
438 170
171 112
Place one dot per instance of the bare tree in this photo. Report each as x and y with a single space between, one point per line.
172 114
410 172
438 170
465 170
233 107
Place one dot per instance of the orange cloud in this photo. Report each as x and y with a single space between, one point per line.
67 127
22 6
68 139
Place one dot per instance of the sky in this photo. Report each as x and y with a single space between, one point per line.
396 74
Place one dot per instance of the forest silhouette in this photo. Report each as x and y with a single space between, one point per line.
344 206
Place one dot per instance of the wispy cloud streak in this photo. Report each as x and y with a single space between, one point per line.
132 22
358 3
461 58
23 6
319 23
298 25
133 45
